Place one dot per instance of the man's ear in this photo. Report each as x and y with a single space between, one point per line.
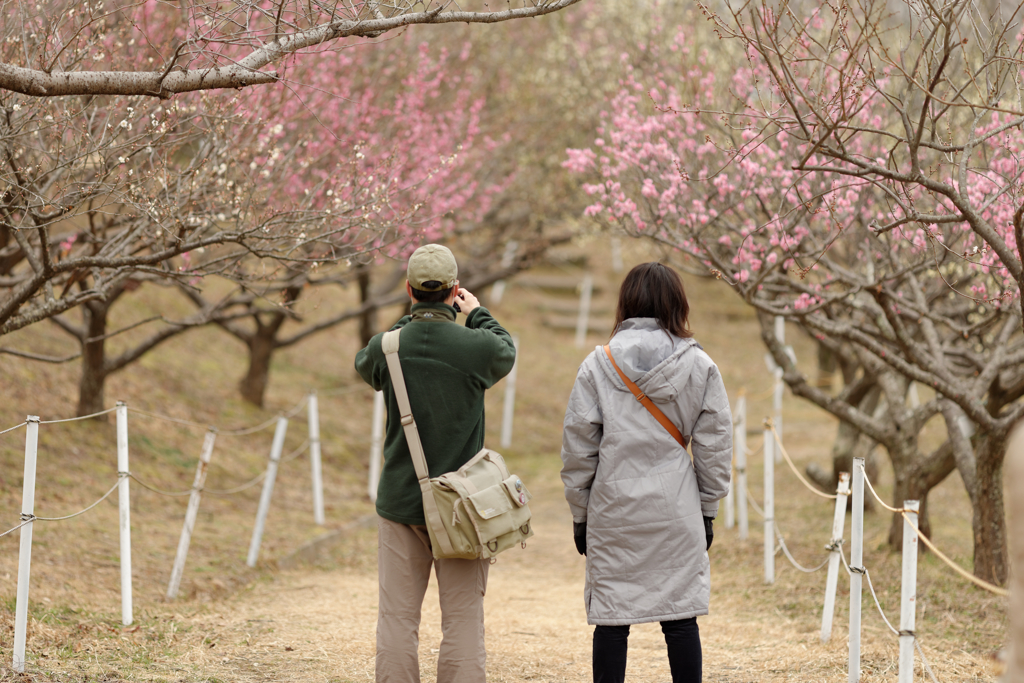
408 288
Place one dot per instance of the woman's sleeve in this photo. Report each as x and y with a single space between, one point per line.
581 439
712 444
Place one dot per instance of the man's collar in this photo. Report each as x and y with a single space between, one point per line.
439 312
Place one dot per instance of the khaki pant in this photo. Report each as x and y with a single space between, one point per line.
403 567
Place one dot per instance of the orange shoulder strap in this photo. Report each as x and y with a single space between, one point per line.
646 402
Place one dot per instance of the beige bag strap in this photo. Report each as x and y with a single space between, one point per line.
389 344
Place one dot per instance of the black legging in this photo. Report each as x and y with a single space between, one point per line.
684 654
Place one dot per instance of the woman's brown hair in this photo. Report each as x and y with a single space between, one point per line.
653 290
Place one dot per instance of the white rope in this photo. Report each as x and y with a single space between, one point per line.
80 512
878 604
242 431
789 461
865 572
299 406
11 429
296 453
261 476
753 504
75 419
792 561
924 660
227 492
170 494
249 430
166 418
9 531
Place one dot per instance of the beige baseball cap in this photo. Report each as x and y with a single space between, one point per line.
432 268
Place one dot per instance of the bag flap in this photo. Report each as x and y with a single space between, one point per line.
492 501
517 490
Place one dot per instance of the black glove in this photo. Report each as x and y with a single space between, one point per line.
579 534
709 533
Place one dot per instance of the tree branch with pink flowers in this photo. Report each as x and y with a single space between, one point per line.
860 175
61 48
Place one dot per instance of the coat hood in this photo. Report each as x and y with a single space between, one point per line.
658 362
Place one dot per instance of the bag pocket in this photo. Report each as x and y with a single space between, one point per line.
491 502
517 490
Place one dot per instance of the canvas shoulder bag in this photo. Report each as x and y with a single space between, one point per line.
478 510
646 402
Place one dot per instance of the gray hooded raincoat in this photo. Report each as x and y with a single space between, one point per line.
637 489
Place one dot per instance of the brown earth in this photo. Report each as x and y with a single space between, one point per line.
315 621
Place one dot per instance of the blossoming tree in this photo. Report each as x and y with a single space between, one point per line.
103 193
63 47
860 175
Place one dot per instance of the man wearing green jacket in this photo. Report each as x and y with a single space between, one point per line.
447 369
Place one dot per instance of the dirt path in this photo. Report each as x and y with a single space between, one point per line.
318 626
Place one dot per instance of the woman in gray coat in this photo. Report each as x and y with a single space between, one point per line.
641 506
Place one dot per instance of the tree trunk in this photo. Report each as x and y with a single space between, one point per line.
262 344
850 443
261 347
989 522
368 318
826 367
94 360
915 477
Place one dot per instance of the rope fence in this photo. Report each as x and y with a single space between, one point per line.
775 543
76 419
242 431
310 445
980 583
80 512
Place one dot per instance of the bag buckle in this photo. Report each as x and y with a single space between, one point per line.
407 420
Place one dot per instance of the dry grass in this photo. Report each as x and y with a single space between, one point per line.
317 623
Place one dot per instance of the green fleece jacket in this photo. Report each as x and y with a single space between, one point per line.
447 369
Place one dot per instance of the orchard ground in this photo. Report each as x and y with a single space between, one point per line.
315 621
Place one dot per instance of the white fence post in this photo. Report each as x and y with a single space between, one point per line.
314 460
836 545
769 506
730 496
190 514
498 290
510 399
856 567
376 444
741 465
908 592
124 510
583 317
268 490
28 503
779 388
